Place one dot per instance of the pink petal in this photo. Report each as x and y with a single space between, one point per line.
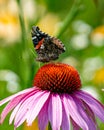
90 114
23 100
75 126
55 111
14 128
90 123
43 117
94 104
65 117
14 113
10 106
20 116
13 103
36 106
24 108
74 111
15 95
21 120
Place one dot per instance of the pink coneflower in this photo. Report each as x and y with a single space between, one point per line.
56 98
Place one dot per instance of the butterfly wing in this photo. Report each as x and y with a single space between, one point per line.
48 48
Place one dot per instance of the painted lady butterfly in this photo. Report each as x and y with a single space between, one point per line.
48 48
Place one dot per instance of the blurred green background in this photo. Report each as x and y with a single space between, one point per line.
80 27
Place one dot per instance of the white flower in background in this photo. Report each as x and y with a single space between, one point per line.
81 27
29 9
97 36
12 80
90 66
9 23
79 41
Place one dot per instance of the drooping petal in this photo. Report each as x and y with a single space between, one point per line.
55 111
15 95
82 111
14 128
20 116
74 111
36 105
90 114
65 117
21 103
25 105
14 102
43 116
74 125
94 104
9 107
13 114
21 120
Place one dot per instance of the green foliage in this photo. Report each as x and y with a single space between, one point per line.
19 57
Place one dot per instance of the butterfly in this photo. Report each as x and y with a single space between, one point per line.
47 48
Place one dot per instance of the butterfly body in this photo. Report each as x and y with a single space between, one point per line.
48 48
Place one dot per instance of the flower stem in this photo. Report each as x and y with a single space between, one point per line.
23 50
76 8
22 24
49 127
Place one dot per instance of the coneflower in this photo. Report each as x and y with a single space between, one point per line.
56 98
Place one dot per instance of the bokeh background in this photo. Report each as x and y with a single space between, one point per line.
79 25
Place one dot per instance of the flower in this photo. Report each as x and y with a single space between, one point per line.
9 23
56 98
97 36
99 76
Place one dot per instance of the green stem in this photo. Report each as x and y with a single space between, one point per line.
49 127
71 15
22 24
23 63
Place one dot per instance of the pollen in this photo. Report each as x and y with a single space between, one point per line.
57 78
